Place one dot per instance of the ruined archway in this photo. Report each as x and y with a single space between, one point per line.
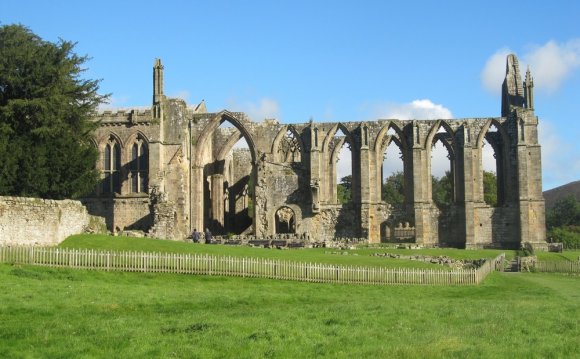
217 192
493 135
285 220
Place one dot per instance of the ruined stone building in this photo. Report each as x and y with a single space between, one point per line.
173 168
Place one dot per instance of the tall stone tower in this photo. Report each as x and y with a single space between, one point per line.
518 107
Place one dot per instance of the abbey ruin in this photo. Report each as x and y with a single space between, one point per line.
174 168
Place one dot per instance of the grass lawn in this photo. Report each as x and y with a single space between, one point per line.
66 313
361 257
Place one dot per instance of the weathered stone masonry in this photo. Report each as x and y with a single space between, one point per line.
173 168
33 221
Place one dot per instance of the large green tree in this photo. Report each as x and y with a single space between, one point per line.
490 188
344 190
45 108
563 222
394 189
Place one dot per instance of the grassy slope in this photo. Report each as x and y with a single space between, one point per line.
70 314
319 255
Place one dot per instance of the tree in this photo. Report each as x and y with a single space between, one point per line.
565 212
45 109
344 190
394 189
563 222
490 188
442 190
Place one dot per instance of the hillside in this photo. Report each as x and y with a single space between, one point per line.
555 194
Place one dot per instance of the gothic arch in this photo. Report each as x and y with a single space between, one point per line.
504 136
379 147
131 139
104 140
451 146
136 163
198 180
232 140
502 158
280 135
330 135
212 125
111 159
434 129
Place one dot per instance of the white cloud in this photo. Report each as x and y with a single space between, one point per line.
551 64
560 161
423 109
494 71
265 108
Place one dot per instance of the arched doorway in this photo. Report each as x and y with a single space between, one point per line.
285 220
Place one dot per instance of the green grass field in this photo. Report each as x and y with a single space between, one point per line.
80 314
65 313
360 257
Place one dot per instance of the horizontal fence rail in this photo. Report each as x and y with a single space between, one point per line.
238 266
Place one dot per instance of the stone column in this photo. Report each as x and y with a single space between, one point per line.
217 200
421 194
197 197
469 179
316 185
531 200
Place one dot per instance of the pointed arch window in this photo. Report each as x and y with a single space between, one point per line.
139 167
112 167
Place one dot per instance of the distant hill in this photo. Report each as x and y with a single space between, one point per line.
555 194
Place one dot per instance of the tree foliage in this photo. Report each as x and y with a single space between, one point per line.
45 107
565 212
563 222
490 188
394 189
344 190
442 190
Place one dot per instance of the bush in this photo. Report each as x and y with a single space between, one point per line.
568 235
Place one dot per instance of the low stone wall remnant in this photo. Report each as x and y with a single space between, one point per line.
35 221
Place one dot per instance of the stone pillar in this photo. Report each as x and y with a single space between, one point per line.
468 174
217 201
316 187
366 169
529 165
197 197
421 194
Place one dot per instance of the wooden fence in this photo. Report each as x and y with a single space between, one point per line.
558 266
238 266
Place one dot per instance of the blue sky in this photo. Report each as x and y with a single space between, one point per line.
331 60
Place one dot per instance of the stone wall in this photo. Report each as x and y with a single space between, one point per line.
33 221
205 182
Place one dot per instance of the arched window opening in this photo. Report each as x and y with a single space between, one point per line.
442 170
393 179
111 175
230 189
285 220
139 167
289 148
491 167
341 163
